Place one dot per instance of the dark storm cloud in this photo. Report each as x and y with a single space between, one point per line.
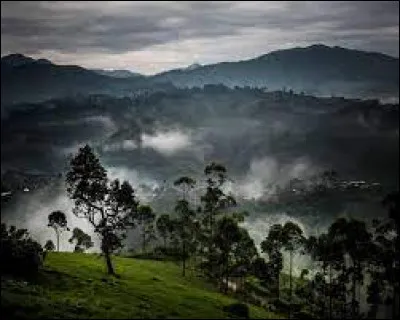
73 28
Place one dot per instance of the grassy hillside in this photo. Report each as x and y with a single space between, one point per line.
75 286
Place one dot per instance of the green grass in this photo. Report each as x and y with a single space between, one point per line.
74 285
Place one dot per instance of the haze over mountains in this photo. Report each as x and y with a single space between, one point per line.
263 118
318 70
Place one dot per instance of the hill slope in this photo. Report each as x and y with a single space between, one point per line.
317 69
75 286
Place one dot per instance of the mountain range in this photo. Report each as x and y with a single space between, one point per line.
317 70
24 79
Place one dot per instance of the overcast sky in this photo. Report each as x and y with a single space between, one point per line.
150 37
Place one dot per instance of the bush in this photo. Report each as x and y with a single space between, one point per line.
239 310
19 254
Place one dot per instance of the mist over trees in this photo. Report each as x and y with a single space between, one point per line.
356 263
279 148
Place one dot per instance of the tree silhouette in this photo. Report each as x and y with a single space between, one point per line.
82 240
58 221
292 239
391 202
185 217
272 246
110 207
49 245
227 238
214 202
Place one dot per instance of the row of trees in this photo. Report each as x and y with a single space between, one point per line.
352 256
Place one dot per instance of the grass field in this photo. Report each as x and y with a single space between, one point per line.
74 285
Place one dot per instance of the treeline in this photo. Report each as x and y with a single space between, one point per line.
350 257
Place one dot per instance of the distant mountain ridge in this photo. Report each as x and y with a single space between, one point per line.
24 79
318 70
17 60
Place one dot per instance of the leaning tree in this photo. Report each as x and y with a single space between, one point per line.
109 206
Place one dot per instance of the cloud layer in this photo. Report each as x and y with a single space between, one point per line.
153 36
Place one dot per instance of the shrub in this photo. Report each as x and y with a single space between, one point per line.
239 310
49 246
20 255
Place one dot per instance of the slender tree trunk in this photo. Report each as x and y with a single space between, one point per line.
165 242
359 293
344 293
183 258
353 299
143 240
58 240
330 291
394 304
278 285
324 311
226 273
344 309
290 283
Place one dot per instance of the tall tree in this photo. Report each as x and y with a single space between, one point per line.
292 240
184 224
145 220
359 243
391 202
227 237
350 238
214 202
58 221
110 207
272 246
185 217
